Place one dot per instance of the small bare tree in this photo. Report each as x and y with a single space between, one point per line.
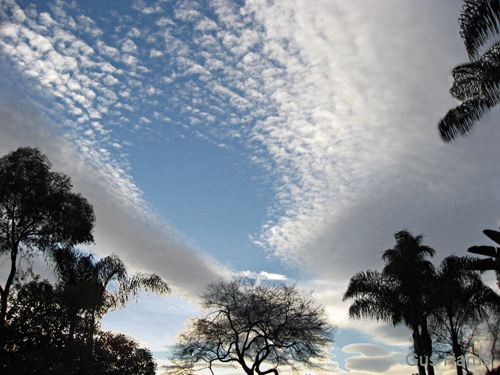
255 326
486 346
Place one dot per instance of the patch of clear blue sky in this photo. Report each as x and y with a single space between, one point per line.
208 193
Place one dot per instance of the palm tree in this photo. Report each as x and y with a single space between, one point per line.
84 286
492 263
462 299
399 295
72 269
477 84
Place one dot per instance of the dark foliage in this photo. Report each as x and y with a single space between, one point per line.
461 300
38 211
399 294
38 340
478 22
54 329
477 84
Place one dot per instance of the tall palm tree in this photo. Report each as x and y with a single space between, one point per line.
84 286
407 264
477 84
399 294
462 299
76 288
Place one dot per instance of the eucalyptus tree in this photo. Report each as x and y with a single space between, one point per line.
400 294
462 299
476 84
38 212
257 327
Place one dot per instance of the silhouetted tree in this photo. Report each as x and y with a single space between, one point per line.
84 286
400 294
462 299
37 331
38 211
476 84
486 342
117 355
255 326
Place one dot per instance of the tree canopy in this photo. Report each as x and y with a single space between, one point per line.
399 295
55 329
38 211
477 83
255 326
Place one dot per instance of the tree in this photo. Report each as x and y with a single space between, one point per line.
258 327
37 329
35 332
38 211
476 84
486 343
84 286
117 355
400 294
462 300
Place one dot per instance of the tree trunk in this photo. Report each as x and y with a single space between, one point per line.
417 344
427 346
457 352
8 284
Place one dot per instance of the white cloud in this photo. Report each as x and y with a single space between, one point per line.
46 19
369 350
128 46
374 358
206 24
338 101
125 224
108 50
262 275
129 59
155 53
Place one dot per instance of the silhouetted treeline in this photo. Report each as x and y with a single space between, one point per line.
54 328
451 313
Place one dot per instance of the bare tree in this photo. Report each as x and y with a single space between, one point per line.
255 326
486 343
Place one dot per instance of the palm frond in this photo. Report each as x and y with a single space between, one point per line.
135 286
460 120
111 268
374 297
483 265
478 21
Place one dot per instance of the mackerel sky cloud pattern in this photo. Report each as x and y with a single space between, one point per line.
330 109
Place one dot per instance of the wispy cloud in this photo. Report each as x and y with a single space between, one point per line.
126 224
336 103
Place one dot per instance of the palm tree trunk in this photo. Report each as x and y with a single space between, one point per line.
417 345
427 344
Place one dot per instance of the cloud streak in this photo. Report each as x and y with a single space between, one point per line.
336 104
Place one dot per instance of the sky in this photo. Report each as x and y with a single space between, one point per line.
279 140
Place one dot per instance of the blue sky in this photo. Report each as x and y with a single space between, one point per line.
284 140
